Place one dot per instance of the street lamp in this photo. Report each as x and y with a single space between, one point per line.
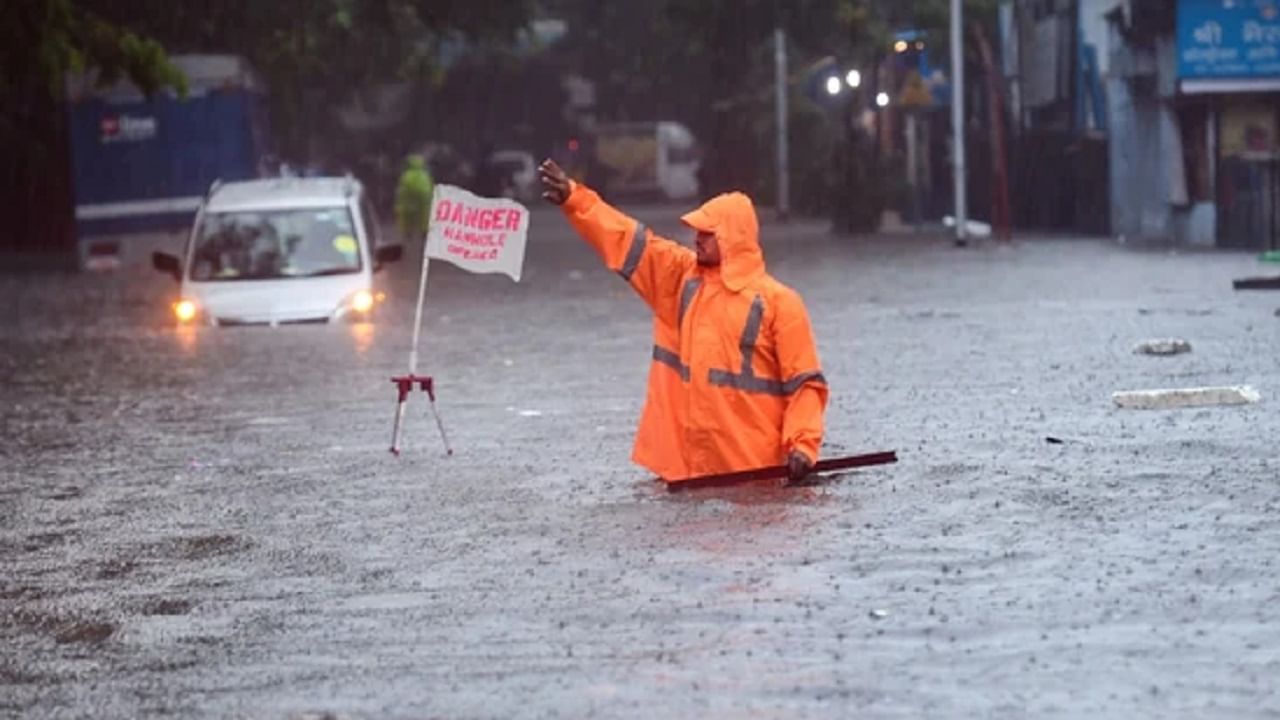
854 78
833 85
882 99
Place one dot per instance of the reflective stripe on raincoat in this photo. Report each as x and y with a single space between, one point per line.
735 382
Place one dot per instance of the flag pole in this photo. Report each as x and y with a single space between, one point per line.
417 313
405 383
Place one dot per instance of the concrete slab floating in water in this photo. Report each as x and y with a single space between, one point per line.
1186 397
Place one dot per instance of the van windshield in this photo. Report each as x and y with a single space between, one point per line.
266 244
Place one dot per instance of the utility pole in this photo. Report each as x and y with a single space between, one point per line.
957 119
780 81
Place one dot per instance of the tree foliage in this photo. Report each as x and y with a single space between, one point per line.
315 55
312 54
42 40
709 63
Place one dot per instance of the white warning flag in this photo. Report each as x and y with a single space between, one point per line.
482 235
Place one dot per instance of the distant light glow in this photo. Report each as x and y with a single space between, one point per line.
573 145
833 85
854 78
900 46
882 99
919 44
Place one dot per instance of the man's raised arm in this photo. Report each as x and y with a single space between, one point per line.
653 266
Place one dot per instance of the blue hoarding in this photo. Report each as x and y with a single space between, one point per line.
142 163
146 164
1228 39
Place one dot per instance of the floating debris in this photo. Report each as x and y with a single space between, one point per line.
1163 346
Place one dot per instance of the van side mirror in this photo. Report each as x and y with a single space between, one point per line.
166 263
386 254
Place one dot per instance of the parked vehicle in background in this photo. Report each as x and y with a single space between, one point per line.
277 251
519 171
446 164
648 158
142 164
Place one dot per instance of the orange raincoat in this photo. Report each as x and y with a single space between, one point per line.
735 382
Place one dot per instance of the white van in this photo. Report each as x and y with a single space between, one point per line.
649 158
283 250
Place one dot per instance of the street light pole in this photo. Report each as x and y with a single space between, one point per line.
780 80
957 119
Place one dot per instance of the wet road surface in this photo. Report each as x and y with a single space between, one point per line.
206 522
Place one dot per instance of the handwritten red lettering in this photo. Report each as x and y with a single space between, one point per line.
466 253
442 210
474 233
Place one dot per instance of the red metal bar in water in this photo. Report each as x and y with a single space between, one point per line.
780 471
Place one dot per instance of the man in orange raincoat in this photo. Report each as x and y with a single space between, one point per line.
735 382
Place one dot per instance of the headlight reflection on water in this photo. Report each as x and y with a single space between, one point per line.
188 339
362 333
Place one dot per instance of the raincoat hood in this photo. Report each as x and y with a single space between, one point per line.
732 219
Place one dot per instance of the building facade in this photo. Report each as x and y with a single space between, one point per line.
1193 94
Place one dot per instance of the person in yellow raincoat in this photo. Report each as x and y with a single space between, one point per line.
735 382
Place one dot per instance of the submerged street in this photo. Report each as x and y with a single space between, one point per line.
206 521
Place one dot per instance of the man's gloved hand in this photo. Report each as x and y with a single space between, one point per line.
556 185
798 466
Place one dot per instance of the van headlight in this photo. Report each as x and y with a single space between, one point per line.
358 306
185 310
362 301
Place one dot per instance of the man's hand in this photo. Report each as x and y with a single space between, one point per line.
798 466
556 185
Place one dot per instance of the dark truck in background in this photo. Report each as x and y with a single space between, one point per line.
141 166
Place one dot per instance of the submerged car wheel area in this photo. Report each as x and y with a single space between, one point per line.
287 250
